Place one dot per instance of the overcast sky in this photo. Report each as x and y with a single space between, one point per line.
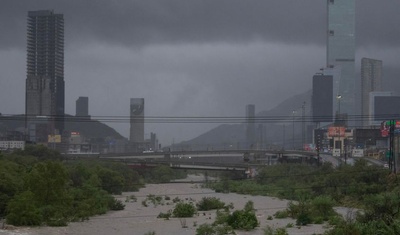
188 57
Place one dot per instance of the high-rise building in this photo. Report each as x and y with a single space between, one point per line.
322 102
341 51
250 125
137 121
45 71
371 80
383 106
82 107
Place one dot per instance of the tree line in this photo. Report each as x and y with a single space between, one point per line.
39 187
372 190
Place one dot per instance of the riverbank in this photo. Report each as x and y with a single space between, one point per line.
138 219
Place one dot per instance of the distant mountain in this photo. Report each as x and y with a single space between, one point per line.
91 128
86 127
277 125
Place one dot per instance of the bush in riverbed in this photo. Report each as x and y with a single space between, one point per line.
184 210
210 203
243 219
116 205
165 216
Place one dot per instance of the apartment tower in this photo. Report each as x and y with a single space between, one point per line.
371 81
45 74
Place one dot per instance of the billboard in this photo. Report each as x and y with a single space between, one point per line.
337 131
385 127
54 139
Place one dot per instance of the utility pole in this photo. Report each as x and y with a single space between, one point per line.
284 137
294 112
303 131
392 162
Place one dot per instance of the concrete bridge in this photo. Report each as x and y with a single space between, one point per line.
221 160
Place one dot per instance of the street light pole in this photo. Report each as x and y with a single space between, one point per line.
338 97
294 112
303 125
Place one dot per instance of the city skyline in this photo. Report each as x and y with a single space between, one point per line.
188 59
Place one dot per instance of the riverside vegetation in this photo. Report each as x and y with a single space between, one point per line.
373 191
39 187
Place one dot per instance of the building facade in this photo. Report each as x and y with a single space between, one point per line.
137 121
384 106
371 81
322 102
82 107
341 51
45 89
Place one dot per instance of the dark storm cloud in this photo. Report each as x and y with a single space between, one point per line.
131 23
188 57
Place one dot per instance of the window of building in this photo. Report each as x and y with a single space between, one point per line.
331 1
331 32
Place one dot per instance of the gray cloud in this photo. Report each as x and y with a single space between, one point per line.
188 58
136 23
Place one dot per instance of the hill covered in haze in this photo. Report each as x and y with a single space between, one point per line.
87 128
277 124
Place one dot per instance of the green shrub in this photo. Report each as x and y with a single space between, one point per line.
209 203
303 219
116 205
205 229
184 210
281 214
290 225
268 230
281 231
165 215
221 217
322 206
244 220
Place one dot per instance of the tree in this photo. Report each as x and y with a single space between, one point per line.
23 210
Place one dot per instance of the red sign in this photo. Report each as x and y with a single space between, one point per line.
336 131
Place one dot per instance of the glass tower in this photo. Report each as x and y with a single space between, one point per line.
341 52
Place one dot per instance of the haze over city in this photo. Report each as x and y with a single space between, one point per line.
196 58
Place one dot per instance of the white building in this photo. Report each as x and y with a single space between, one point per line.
12 144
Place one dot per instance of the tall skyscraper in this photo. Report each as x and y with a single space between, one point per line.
250 128
371 80
341 51
321 99
137 121
45 70
82 107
